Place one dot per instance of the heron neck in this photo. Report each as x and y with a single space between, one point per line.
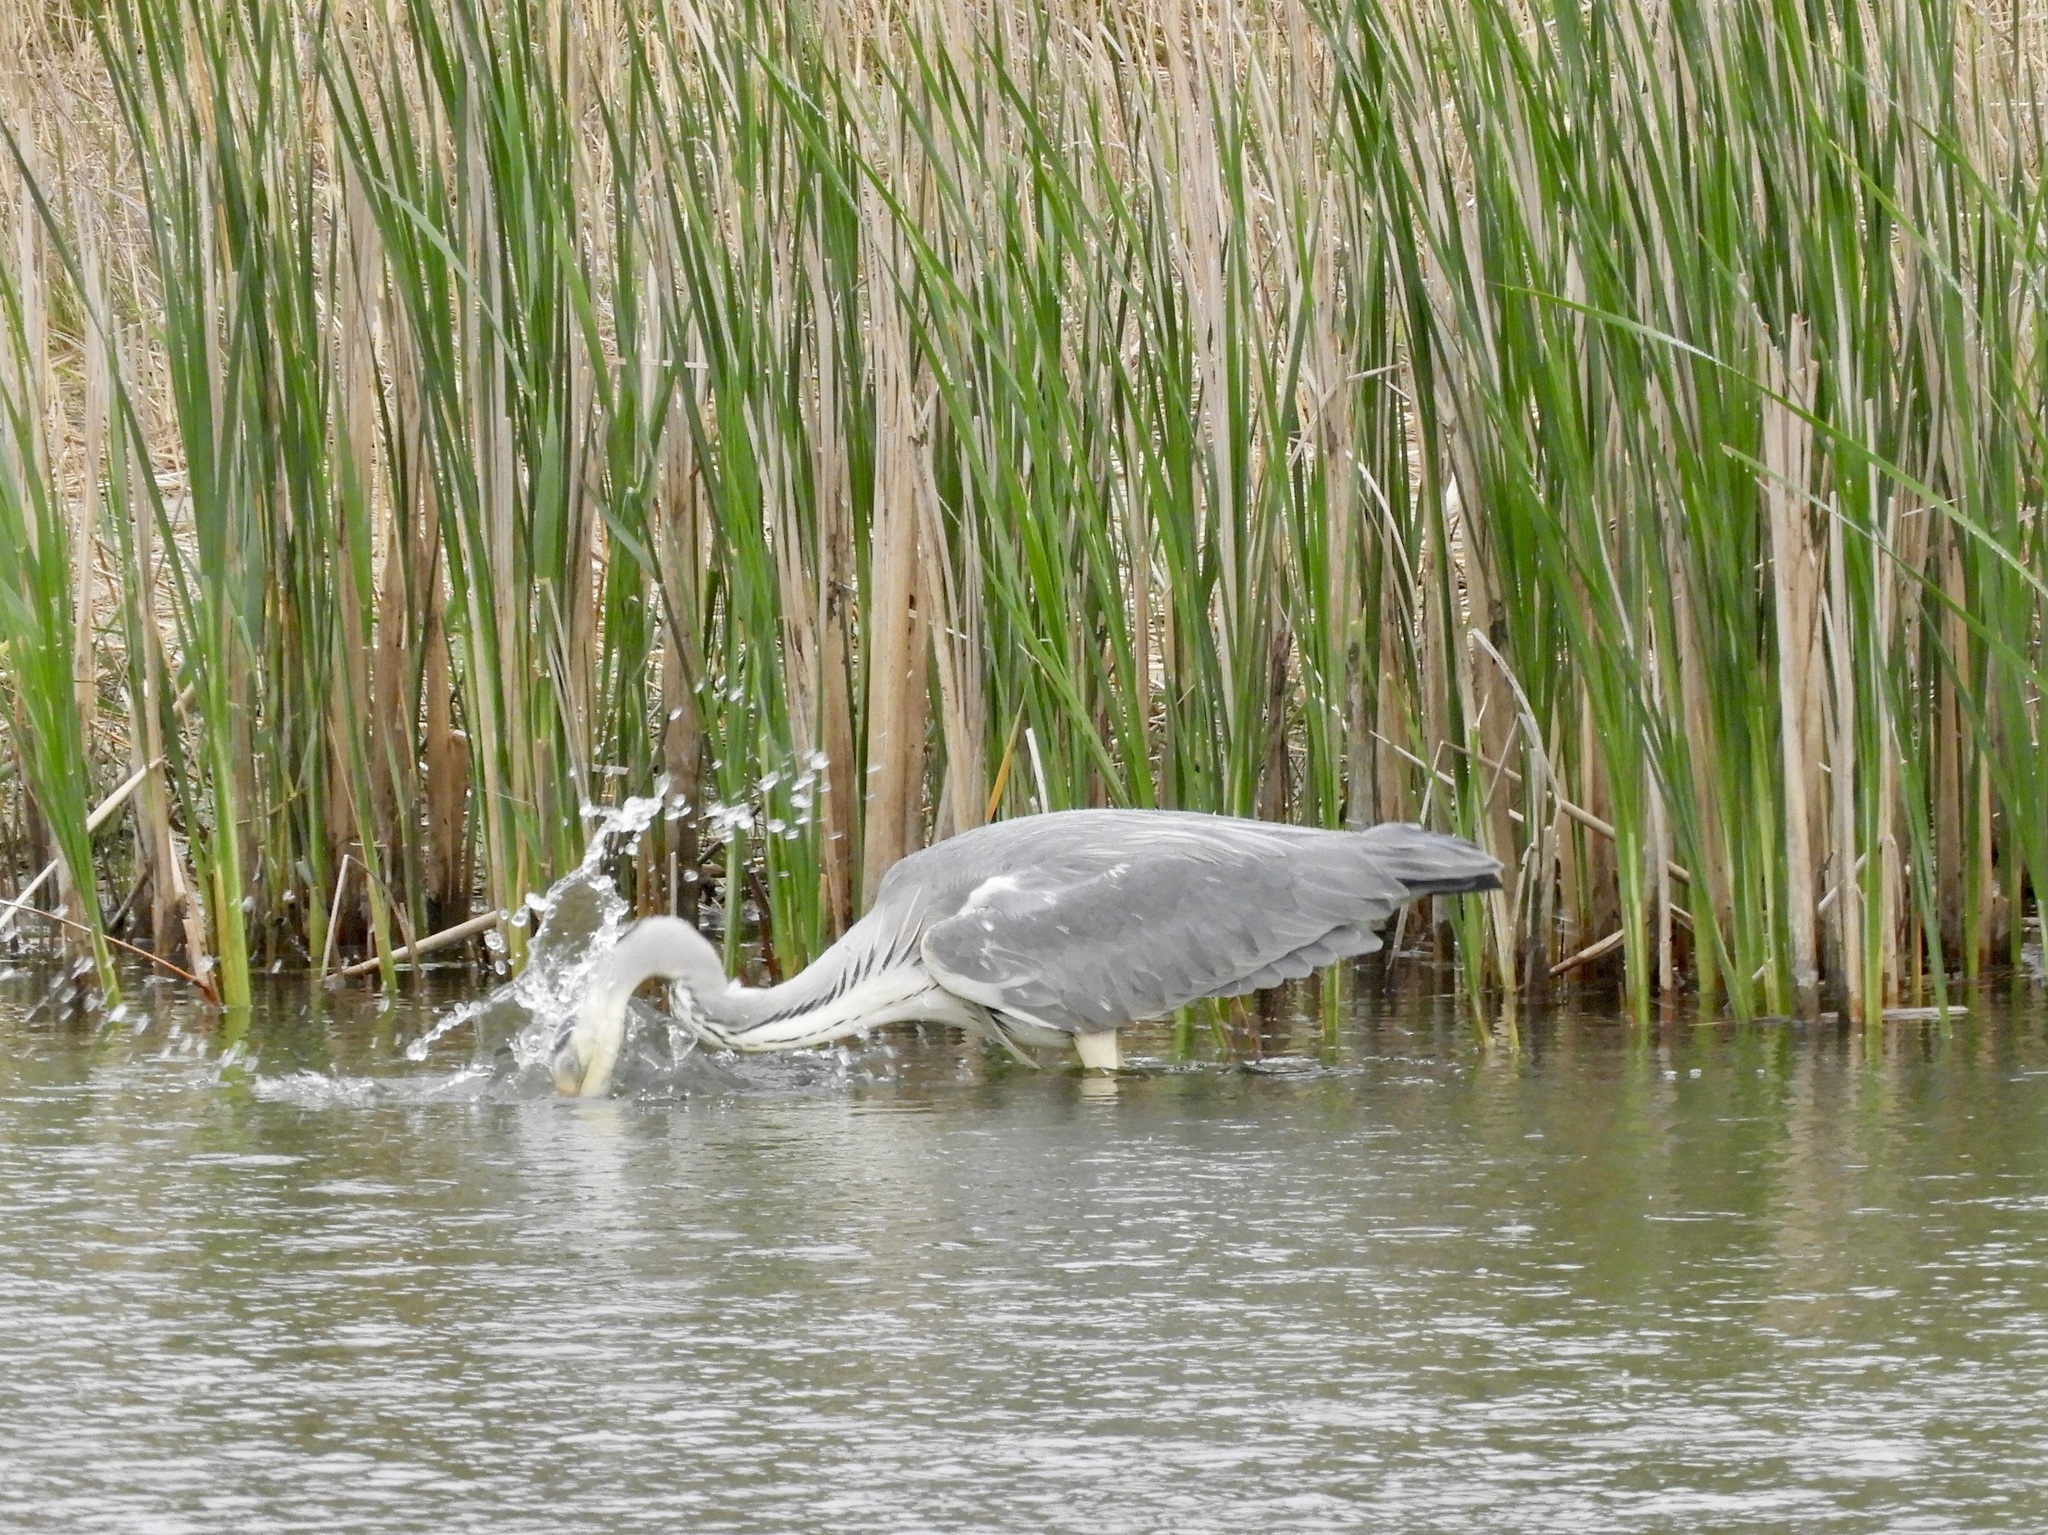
672 950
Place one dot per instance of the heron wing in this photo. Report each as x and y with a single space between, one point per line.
1151 915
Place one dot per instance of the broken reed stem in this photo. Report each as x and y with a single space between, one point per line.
448 938
101 814
198 983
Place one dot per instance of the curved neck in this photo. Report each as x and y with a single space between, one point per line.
860 981
669 949
657 948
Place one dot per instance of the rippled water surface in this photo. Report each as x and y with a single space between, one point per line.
1703 1278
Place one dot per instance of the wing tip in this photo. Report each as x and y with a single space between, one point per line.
1433 862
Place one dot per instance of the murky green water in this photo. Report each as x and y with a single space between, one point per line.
1719 1279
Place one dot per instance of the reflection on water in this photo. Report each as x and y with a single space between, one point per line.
1708 1278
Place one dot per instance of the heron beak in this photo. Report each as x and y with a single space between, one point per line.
568 1066
586 1050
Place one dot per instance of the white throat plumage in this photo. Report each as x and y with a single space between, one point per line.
855 986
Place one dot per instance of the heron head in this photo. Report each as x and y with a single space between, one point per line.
587 1048
654 948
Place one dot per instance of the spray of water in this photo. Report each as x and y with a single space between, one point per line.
582 915
574 923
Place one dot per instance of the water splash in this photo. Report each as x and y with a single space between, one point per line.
574 923
319 1090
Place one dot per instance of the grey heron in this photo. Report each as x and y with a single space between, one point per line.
1046 930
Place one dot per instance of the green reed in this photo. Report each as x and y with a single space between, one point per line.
38 630
1611 432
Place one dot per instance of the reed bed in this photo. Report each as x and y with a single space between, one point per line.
1613 431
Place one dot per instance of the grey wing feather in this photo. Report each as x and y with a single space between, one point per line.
1150 912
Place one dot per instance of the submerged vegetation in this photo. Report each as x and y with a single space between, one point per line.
1614 431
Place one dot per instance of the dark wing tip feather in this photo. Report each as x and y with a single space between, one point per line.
1472 885
1432 862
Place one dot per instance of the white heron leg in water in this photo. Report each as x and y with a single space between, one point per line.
1098 1050
1071 924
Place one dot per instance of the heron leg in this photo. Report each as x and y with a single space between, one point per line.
1098 1051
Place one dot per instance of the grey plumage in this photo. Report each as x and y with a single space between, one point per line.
1093 918
1069 924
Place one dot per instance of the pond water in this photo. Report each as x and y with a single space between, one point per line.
1703 1277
